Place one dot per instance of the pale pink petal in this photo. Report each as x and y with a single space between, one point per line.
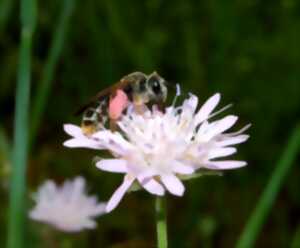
233 140
221 126
207 108
191 103
145 173
102 135
76 188
202 129
225 165
118 139
112 165
221 152
46 191
173 184
152 186
89 224
82 143
113 138
113 141
118 194
181 168
73 130
100 209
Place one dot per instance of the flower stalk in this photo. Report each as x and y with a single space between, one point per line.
16 227
161 222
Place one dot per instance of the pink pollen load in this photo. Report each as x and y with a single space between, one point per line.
117 104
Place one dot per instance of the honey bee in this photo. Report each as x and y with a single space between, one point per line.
109 104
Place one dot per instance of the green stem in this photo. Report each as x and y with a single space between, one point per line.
44 87
268 197
20 147
161 222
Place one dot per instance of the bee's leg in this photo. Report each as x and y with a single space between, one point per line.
161 106
113 125
140 108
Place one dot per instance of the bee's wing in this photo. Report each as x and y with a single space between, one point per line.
104 95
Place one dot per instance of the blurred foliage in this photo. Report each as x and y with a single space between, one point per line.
247 50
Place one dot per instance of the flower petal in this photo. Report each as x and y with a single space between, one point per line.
112 165
99 209
221 126
82 143
221 152
226 165
233 140
73 130
152 186
190 104
207 108
173 184
113 140
118 194
181 168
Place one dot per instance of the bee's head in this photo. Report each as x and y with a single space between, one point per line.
148 88
156 88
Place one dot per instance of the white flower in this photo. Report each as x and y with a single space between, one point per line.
67 208
157 148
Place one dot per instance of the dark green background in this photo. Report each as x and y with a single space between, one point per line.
246 50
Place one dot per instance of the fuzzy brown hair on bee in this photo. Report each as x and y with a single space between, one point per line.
136 88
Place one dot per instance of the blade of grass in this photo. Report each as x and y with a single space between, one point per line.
15 237
260 213
44 87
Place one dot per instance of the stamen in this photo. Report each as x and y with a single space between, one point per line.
242 130
178 93
221 110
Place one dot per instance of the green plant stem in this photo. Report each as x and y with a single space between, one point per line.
20 147
268 197
161 222
44 87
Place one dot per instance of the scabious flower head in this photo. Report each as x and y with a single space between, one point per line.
67 208
156 149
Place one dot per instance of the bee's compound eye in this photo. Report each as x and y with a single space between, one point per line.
155 85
